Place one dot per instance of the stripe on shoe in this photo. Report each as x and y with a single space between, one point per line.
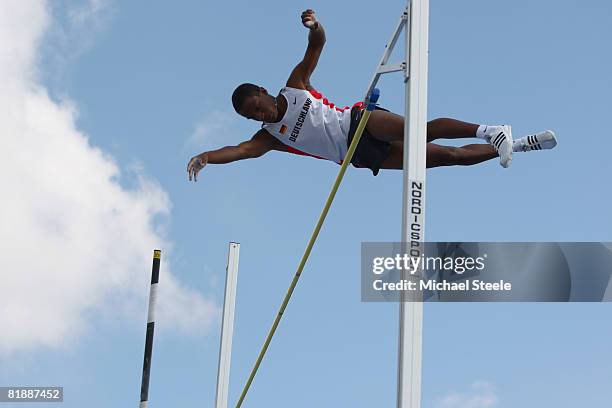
499 139
534 143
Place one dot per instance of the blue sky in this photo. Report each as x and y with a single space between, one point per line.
106 102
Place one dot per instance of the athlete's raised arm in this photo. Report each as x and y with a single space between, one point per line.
261 143
300 76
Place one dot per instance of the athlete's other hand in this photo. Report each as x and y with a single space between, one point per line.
196 164
309 20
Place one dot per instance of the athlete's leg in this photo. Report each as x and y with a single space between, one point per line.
446 128
386 126
389 126
458 156
438 156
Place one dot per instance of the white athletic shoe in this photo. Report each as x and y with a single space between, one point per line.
540 141
500 137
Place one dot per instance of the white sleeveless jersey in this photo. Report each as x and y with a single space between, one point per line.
312 125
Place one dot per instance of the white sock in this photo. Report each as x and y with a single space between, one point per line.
481 132
486 131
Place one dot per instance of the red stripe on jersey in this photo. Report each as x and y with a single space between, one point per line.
315 94
326 102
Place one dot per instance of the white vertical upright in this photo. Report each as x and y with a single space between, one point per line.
413 219
227 326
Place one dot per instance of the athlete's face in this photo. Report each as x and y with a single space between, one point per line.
259 107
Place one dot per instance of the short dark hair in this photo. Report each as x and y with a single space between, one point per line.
241 93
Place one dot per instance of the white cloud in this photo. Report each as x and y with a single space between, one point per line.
73 242
481 395
215 129
88 12
76 26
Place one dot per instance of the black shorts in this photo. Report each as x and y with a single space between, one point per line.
370 152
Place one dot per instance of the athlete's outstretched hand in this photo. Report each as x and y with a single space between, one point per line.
196 164
309 20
